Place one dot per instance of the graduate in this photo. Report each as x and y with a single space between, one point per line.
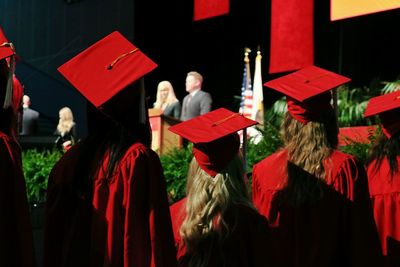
106 201
384 174
216 223
16 241
315 197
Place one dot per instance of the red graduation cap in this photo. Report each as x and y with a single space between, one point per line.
214 137
6 48
307 91
387 108
7 52
106 68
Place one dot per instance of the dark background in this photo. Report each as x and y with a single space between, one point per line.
47 33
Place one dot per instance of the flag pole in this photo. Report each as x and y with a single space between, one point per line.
244 133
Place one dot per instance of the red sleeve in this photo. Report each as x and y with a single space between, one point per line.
148 238
16 241
364 247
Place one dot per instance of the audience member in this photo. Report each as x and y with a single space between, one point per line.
167 101
106 201
16 240
384 175
30 118
65 129
216 224
197 102
315 197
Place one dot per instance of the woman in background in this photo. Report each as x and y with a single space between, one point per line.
65 129
167 101
384 175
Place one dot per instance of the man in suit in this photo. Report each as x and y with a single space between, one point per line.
30 118
197 102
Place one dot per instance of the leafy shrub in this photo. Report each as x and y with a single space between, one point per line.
270 143
37 166
175 165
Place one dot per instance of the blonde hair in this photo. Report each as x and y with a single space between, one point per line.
66 121
171 98
208 200
197 75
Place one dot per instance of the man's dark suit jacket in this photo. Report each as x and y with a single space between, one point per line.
199 104
30 122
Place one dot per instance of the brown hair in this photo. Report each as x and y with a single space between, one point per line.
308 146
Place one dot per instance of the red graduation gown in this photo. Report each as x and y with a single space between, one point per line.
338 230
16 241
248 245
385 196
126 224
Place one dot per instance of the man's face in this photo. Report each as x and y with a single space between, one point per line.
192 83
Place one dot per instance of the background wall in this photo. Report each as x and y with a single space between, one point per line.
48 32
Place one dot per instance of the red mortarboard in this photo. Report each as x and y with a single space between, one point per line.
7 52
106 68
307 91
214 137
6 49
386 106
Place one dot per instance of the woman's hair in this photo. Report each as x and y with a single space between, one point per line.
308 146
66 121
171 98
385 148
208 201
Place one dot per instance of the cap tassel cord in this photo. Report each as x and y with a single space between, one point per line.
316 78
225 119
109 67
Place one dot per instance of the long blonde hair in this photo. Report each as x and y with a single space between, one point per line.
171 98
208 199
66 121
308 146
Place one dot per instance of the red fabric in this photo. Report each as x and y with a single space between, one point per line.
356 134
338 230
88 71
213 157
126 224
212 126
248 245
16 241
292 39
307 83
204 9
311 109
385 196
178 214
382 103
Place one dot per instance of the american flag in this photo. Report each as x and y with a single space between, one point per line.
246 103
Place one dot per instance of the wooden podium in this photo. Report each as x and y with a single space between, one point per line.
162 139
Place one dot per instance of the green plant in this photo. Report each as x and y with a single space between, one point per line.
270 143
175 165
37 166
361 150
